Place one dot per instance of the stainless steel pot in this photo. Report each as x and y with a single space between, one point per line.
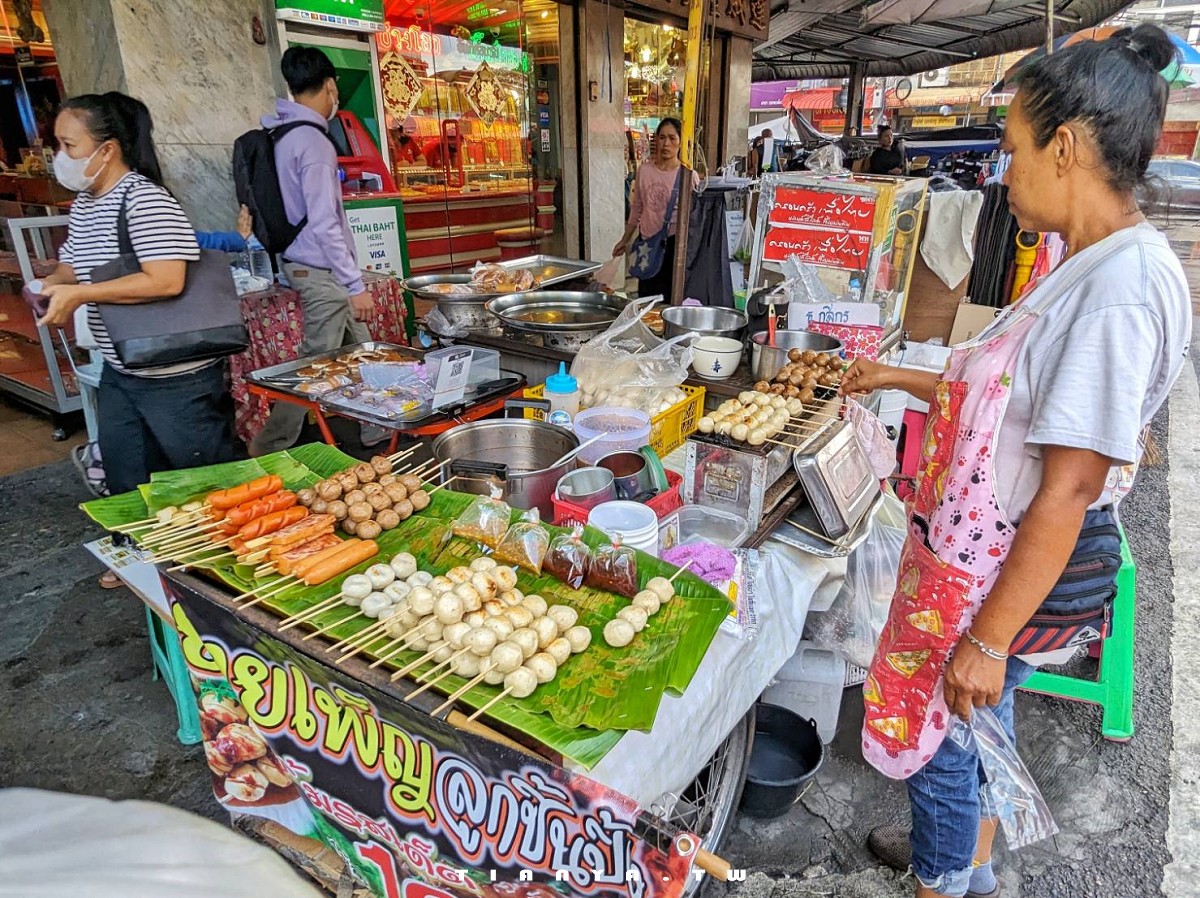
708 321
518 454
465 310
563 319
765 361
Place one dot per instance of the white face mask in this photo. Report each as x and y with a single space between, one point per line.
70 172
333 112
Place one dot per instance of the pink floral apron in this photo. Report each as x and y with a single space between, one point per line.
958 535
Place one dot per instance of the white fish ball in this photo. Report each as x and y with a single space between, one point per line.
421 600
635 616
404 565
521 682
563 615
483 564
543 666
357 586
448 608
579 638
618 633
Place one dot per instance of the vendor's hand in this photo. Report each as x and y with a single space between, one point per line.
973 680
64 300
865 376
245 222
620 249
362 306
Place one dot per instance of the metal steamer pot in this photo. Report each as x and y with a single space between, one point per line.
516 454
765 360
465 310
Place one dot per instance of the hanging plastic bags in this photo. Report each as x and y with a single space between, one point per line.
1010 793
871 582
872 438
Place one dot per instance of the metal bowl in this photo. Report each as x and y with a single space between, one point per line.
422 285
708 321
564 319
765 361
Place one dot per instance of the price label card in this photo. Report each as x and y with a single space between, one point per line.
452 377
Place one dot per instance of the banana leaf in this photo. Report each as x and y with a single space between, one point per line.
597 694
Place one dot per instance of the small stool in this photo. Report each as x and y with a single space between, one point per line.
516 243
1113 688
170 664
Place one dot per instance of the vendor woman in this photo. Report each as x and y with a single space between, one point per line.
1034 434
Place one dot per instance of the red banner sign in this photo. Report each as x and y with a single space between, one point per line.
833 249
805 207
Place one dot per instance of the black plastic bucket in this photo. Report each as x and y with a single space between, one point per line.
787 753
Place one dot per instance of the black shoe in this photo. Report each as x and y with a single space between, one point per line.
891 845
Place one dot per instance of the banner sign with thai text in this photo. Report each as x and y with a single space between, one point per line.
418 808
802 207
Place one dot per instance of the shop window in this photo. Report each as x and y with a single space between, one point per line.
655 66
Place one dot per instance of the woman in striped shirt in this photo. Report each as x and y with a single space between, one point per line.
152 419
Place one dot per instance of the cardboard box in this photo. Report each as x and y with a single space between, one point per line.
969 320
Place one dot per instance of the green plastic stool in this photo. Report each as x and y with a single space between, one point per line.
170 664
1113 689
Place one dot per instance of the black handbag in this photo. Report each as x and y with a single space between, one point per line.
647 253
203 322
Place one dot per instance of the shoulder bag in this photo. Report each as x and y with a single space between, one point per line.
203 322
647 253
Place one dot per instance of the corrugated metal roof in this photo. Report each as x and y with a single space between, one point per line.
826 47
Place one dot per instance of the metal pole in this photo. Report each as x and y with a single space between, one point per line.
697 11
1049 27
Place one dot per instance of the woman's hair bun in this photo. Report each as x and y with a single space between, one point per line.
1150 43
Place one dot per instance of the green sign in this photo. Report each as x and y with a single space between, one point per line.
353 15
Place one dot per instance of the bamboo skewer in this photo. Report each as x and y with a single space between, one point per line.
176 554
488 706
438 678
250 592
402 643
400 456
187 564
683 567
328 627
299 617
462 690
351 641
441 485
380 634
426 657
258 597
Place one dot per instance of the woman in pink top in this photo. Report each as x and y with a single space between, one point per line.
656 179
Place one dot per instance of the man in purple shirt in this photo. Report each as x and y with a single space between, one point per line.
320 264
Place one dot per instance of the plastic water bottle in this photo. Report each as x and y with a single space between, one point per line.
260 259
562 392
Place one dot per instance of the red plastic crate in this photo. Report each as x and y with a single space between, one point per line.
567 513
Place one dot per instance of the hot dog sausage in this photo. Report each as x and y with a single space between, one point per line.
244 492
275 521
302 567
243 514
349 556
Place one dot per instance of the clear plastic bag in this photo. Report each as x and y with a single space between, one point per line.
609 274
442 326
872 438
628 366
525 543
827 159
569 559
1010 793
871 583
744 252
803 283
485 520
614 569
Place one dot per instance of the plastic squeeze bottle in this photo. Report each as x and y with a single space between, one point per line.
562 392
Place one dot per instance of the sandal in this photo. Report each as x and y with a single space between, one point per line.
109 580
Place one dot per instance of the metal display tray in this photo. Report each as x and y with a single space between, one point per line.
285 377
507 382
552 269
800 530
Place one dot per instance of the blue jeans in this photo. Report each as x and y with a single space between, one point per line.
947 805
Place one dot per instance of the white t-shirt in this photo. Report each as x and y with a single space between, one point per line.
1096 366
158 229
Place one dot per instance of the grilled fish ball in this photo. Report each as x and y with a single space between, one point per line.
349 526
536 605
485 584
381 463
794 355
460 574
421 600
441 584
809 356
365 473
635 616
395 491
806 396
448 608
822 359
419 500
404 508
521 682
546 629
360 511
329 490
481 641
560 649
563 615
483 564
501 626
470 597
411 482
739 432
506 657
372 488
662 586
306 496
379 501
420 578
354 497
520 616
355 588
388 519
467 665
386 479
706 425
456 634
368 530
579 638
527 639
505 577
544 666
405 565
338 509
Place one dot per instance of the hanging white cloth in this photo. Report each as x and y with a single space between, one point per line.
949 244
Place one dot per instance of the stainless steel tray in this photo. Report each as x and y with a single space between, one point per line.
286 377
551 270
801 530
421 284
556 311
508 382
837 477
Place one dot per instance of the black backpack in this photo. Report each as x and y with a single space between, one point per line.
256 181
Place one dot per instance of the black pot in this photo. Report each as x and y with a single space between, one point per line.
787 753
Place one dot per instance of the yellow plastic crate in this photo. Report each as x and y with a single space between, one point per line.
668 430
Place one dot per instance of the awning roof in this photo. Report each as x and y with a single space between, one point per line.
822 38
821 98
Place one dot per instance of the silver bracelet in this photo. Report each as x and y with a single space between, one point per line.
987 650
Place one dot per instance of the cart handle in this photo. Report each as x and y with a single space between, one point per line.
463 467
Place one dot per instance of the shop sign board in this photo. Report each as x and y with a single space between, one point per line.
848 250
745 18
414 805
376 233
928 122
351 15
545 140
803 207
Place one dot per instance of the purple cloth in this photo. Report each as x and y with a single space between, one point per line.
308 180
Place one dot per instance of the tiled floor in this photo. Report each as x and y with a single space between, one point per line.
25 439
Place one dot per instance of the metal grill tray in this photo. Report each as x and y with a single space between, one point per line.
548 270
820 546
285 377
553 269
